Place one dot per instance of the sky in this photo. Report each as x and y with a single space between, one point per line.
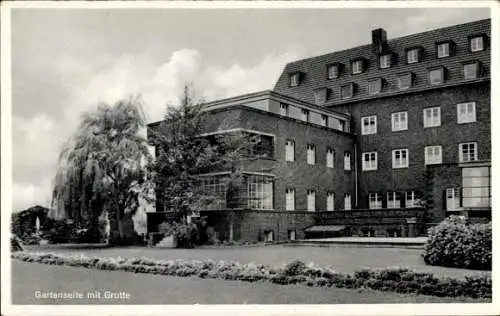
67 61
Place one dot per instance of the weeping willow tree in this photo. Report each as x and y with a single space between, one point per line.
102 169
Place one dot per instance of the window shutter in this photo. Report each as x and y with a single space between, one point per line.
444 200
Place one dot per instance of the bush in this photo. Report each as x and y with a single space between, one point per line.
456 243
185 234
395 280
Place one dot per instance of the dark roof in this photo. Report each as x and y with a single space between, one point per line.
314 69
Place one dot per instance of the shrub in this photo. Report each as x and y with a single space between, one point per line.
394 279
185 234
456 243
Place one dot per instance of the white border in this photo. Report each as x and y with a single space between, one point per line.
348 309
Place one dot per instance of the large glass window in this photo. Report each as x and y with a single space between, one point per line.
260 192
214 192
476 187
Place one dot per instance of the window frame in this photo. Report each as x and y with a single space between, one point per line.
311 150
309 193
347 158
305 115
394 160
395 196
375 203
330 201
378 84
461 152
347 197
371 164
259 204
396 127
324 120
337 71
403 76
294 83
388 61
351 91
361 66
330 158
448 45
290 207
477 70
431 122
369 130
441 71
286 108
466 118
290 153
427 159
408 54
471 40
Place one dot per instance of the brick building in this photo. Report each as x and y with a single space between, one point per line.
378 139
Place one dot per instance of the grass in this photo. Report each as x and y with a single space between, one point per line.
342 259
157 289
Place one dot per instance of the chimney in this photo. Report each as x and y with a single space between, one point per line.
379 41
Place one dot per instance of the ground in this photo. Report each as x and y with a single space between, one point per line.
343 259
157 289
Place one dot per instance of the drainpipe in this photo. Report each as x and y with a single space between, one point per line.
356 174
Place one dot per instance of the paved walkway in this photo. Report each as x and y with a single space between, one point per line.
369 241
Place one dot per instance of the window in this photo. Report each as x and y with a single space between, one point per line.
347 161
476 44
291 235
369 161
399 121
393 200
330 201
476 187
260 192
405 81
294 79
385 61
347 201
443 50
311 200
432 117
369 125
466 112
333 71
261 145
347 91
433 155
290 199
324 120
357 67
436 76
452 199
467 152
284 109
311 154
269 236
320 95
412 199
412 56
330 158
375 201
305 115
400 158
374 86
471 71
290 150
215 191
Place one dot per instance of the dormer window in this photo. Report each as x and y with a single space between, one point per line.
347 91
357 66
472 70
413 55
405 81
374 86
321 96
444 49
436 75
333 71
476 43
294 79
385 61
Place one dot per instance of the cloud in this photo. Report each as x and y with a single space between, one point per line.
38 139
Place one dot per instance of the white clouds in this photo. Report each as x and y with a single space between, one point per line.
38 139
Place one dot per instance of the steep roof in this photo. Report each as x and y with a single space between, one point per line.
314 69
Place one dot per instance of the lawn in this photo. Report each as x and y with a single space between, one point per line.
343 259
157 289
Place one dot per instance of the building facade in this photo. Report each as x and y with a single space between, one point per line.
373 139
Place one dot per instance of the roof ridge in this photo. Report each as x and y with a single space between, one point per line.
389 40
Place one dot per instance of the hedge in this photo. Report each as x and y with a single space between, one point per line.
296 272
456 243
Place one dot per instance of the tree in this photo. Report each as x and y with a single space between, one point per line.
102 168
182 155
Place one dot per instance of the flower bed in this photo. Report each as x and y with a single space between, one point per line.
297 272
